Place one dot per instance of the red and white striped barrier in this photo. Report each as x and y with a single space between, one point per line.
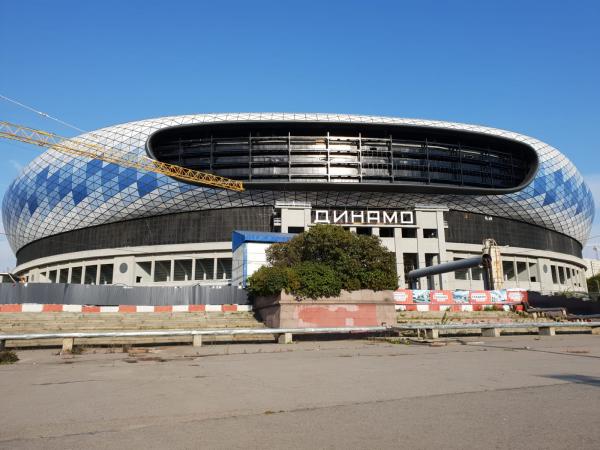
436 300
38 307
426 307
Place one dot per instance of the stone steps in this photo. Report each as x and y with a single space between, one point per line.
25 330
120 315
22 323
115 327
464 317
40 322
140 321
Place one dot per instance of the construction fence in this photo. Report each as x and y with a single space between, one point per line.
109 295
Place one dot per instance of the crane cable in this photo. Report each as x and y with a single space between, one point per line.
41 113
182 173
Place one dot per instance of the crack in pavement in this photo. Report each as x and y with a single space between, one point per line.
65 382
183 421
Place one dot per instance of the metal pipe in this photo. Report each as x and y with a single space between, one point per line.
276 331
447 267
452 266
471 326
219 332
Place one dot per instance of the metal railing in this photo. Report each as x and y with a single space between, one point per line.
492 329
285 334
219 332
470 326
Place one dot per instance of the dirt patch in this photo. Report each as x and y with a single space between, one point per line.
8 357
145 358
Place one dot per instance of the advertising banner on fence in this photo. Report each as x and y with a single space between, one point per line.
516 295
420 295
459 297
403 296
498 296
441 297
479 297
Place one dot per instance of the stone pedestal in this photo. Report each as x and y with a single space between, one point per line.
285 338
67 345
432 333
363 308
547 331
197 340
490 332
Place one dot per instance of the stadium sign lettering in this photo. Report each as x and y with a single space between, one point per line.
368 217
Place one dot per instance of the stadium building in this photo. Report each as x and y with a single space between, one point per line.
432 191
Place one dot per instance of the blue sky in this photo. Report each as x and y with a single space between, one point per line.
528 66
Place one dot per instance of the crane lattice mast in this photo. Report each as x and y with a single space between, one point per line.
79 146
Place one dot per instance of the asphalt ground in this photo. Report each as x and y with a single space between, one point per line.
509 392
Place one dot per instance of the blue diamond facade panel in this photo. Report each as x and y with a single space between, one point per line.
56 193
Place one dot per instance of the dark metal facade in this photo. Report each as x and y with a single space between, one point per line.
191 227
217 226
469 228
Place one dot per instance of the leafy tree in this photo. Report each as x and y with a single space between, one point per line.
355 261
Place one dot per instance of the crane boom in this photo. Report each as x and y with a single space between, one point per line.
79 146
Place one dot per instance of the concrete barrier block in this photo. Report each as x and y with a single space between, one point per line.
67 345
285 338
547 331
197 340
432 333
490 332
596 330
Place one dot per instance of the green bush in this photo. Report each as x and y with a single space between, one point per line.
270 280
316 280
324 260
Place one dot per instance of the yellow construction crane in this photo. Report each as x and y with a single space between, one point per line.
79 146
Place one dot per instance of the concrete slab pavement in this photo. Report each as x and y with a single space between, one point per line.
517 391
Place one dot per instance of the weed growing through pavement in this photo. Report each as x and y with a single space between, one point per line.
8 357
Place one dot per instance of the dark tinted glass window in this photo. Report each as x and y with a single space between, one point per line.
386 232
430 233
409 233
